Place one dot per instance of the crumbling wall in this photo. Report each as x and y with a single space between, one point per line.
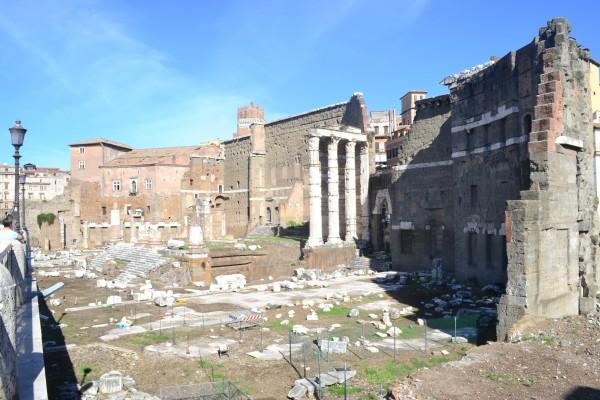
64 232
550 229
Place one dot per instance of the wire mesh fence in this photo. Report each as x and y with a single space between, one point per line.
223 390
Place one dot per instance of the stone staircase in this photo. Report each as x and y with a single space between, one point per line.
139 261
375 264
360 263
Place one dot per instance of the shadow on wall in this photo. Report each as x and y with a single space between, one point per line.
420 219
583 393
8 357
60 374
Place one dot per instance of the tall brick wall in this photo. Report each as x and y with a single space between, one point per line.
490 162
237 152
552 256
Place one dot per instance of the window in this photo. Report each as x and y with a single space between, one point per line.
221 188
377 130
104 211
116 186
489 240
406 242
469 137
474 196
527 124
268 215
81 164
471 246
148 184
81 150
128 210
148 210
380 146
133 186
385 129
502 131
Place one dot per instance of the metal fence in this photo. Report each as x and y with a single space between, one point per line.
223 390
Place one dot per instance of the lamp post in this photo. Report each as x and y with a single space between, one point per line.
22 180
17 135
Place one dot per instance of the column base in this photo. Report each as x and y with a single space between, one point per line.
311 242
334 241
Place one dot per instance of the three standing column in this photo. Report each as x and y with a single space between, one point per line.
314 186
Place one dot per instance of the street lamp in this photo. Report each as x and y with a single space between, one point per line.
17 135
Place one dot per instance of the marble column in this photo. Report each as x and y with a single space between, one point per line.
364 190
350 192
314 184
333 191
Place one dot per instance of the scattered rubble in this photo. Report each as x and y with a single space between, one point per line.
306 387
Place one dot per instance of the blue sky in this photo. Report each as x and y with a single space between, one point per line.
155 73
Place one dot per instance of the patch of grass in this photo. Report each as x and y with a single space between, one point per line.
120 261
275 324
526 382
547 340
336 311
500 377
418 363
338 389
211 368
218 245
411 332
277 239
207 363
462 352
388 372
148 338
438 360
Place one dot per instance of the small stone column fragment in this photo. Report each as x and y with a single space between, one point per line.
333 187
314 182
350 192
364 189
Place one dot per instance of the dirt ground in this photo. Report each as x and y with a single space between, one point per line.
554 359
